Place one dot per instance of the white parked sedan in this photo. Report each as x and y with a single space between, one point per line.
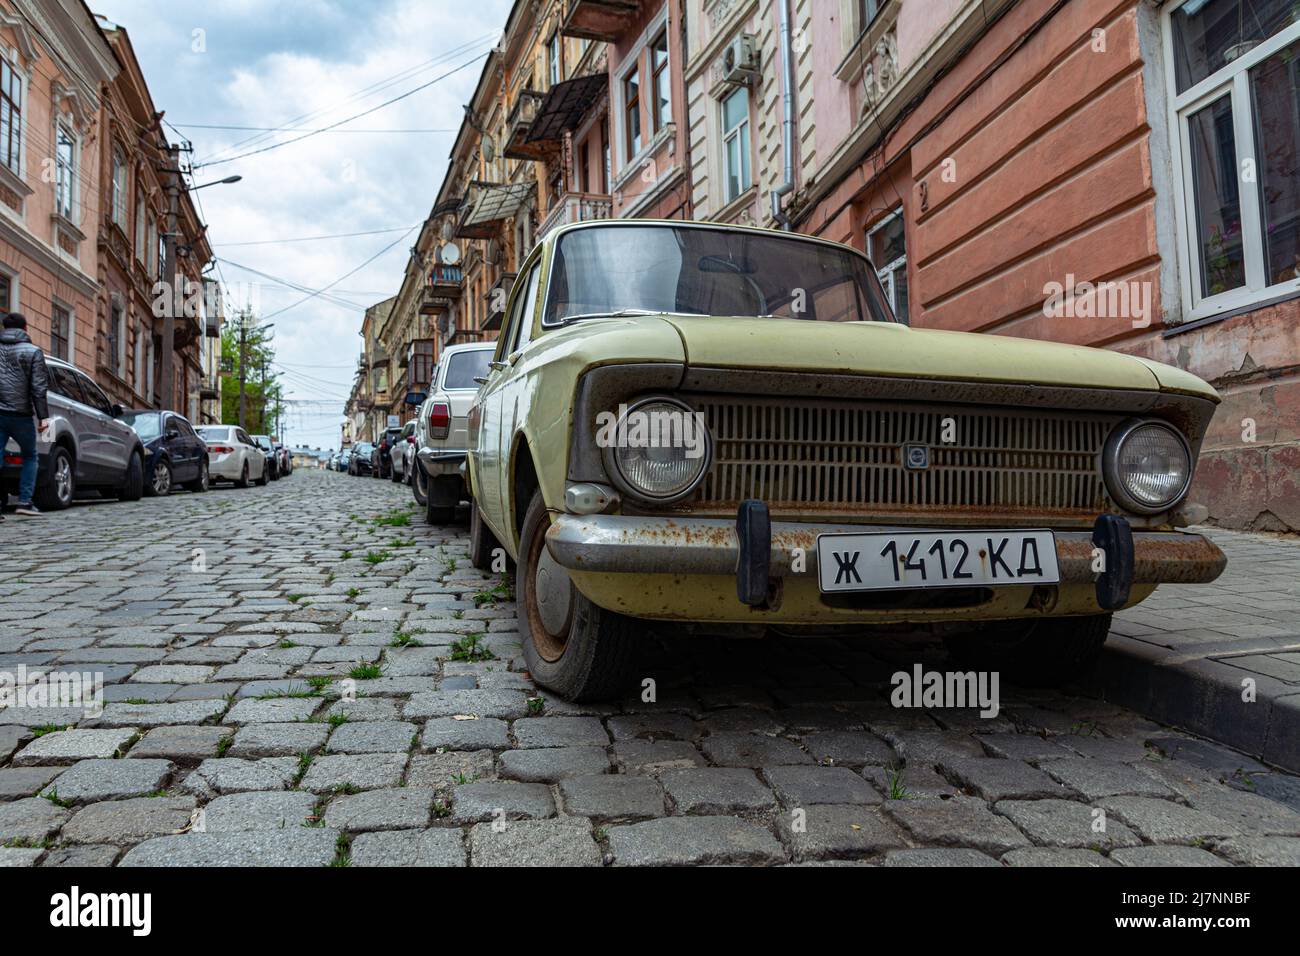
233 455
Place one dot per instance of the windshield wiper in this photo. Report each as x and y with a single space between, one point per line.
620 314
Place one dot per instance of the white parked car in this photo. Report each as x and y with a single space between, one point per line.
233 455
402 454
442 428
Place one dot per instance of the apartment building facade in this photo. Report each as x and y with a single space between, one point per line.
82 206
53 65
131 234
1113 173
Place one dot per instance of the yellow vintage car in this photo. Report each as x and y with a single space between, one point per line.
726 428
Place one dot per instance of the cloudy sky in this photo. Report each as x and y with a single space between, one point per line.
304 65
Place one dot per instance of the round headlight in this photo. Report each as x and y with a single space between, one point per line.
659 451
1148 466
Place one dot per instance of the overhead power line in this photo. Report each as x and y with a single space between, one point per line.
324 289
337 235
373 109
299 129
376 87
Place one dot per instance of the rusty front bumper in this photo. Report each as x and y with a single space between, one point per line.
710 546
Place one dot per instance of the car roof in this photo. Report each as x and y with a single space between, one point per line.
469 347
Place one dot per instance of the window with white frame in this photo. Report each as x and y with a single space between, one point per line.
151 247
117 337
139 226
632 113
6 293
118 199
737 174
887 249
11 116
65 172
553 60
1233 68
661 106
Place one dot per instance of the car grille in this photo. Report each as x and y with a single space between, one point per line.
817 456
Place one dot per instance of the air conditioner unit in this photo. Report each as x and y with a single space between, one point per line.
740 59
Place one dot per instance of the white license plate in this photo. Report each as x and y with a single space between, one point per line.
883 560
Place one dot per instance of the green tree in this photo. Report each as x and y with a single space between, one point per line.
246 345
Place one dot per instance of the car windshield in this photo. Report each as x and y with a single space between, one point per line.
148 425
464 367
691 270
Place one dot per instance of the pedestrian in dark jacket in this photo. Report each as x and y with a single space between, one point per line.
23 383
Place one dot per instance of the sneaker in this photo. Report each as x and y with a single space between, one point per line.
27 509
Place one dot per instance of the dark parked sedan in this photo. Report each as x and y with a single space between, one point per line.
362 462
174 453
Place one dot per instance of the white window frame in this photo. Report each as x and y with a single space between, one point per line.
747 124
620 161
885 271
115 301
10 56
139 238
554 60
1233 80
74 193
117 198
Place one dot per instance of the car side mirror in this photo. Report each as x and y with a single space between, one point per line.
116 410
172 434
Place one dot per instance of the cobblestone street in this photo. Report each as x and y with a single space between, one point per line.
227 626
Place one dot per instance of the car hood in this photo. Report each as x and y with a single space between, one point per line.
893 350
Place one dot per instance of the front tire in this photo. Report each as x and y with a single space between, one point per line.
57 493
1046 652
571 646
419 485
160 482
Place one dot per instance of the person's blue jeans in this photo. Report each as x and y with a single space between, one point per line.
22 429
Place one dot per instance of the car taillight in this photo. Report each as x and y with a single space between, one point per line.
220 449
13 459
439 419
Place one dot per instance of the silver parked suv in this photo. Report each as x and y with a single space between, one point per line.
441 428
89 448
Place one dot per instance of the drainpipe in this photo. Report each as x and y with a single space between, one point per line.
787 121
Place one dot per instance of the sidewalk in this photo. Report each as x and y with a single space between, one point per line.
1188 654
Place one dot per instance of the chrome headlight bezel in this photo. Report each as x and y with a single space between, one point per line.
627 487
1110 466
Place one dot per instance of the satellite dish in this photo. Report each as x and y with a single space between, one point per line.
449 254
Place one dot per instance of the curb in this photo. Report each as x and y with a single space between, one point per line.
1203 696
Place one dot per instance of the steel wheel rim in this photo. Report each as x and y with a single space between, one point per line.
63 480
550 601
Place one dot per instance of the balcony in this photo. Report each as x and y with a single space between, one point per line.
487 205
520 124
600 19
496 297
209 389
442 289
576 207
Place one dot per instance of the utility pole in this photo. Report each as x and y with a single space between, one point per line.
243 361
170 268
